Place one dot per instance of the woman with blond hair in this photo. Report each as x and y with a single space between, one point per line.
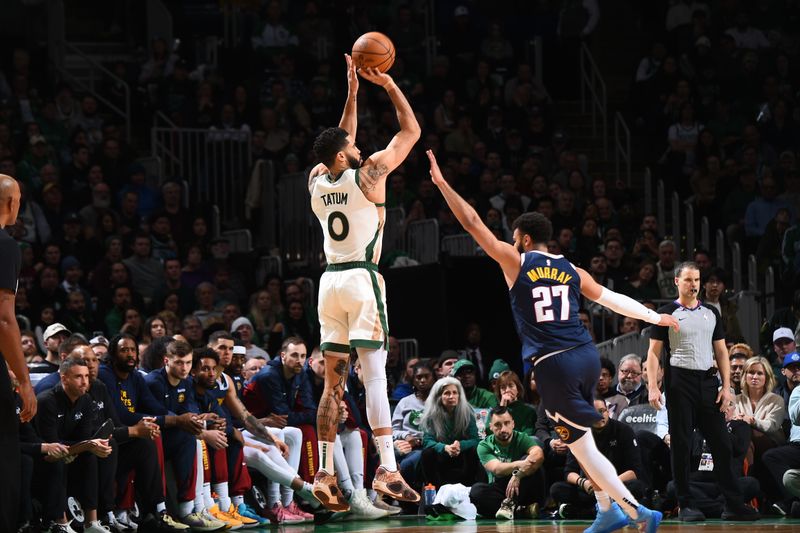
449 435
510 393
761 409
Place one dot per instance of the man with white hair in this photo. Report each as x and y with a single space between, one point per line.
243 328
630 387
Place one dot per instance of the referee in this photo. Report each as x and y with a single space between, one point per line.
693 393
11 351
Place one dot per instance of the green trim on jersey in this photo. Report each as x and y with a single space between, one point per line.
339 267
334 347
358 179
381 312
362 343
371 246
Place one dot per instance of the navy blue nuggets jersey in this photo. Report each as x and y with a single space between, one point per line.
545 300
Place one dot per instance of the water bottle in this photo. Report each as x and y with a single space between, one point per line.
430 494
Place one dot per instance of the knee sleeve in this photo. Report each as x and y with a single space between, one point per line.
373 368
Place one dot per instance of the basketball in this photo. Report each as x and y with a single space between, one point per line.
374 50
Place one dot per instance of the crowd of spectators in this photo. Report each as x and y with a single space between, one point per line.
106 253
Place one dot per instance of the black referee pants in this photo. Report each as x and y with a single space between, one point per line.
691 403
10 454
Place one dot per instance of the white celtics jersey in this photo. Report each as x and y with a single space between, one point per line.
352 225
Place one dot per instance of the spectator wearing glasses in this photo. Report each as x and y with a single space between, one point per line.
631 389
739 354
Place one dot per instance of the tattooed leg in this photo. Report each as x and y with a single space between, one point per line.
336 368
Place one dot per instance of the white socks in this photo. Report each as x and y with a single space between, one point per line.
209 501
222 495
237 500
603 473
386 450
603 501
373 368
185 508
326 456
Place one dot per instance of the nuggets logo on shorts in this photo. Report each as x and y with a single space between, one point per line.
563 433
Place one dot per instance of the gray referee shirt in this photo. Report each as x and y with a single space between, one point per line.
692 347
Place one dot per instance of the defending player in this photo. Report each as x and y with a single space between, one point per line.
348 198
545 294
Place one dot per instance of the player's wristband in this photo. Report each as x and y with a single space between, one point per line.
625 305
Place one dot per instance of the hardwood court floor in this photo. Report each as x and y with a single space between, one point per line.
415 525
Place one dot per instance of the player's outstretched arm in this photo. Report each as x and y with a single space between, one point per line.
506 255
349 121
375 169
621 304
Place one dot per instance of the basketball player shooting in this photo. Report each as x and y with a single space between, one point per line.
545 292
348 198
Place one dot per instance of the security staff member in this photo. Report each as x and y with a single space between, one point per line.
694 396
11 357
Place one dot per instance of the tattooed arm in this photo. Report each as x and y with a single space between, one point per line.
373 173
239 411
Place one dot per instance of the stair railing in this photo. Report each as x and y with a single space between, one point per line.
97 73
622 147
592 83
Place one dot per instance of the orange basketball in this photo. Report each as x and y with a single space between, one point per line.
374 50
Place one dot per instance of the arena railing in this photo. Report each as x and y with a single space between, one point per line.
298 228
769 292
423 240
241 240
460 245
394 230
750 315
622 147
215 163
618 347
409 348
592 83
98 77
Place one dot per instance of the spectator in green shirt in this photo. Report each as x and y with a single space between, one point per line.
512 461
509 393
449 435
464 371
